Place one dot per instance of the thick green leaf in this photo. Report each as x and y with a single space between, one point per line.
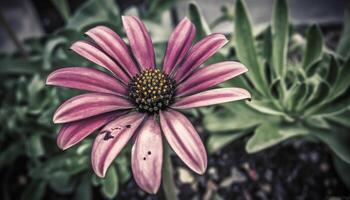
341 118
110 185
314 46
234 116
270 134
217 141
84 189
197 18
245 47
343 171
35 146
338 141
343 47
342 82
280 34
63 7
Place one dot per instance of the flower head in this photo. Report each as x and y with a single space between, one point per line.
138 100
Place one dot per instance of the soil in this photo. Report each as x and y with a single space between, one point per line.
294 170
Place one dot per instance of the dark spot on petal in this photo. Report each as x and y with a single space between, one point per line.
108 135
128 126
144 158
149 152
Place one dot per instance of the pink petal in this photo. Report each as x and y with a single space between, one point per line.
179 43
140 41
209 76
211 97
114 46
111 140
86 79
147 156
92 53
199 53
74 132
88 105
184 140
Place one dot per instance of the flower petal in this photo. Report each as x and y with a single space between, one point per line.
94 54
140 41
199 53
88 105
179 43
147 156
74 132
184 140
209 76
86 79
111 140
114 46
211 97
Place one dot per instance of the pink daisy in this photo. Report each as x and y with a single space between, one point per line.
140 101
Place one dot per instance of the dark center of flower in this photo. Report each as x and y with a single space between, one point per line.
152 90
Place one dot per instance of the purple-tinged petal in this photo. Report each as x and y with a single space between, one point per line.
179 43
140 41
114 46
211 97
209 76
94 54
199 53
184 140
74 132
147 156
86 79
111 140
88 105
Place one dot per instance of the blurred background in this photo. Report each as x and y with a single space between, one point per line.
34 39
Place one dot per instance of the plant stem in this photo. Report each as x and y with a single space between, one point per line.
169 186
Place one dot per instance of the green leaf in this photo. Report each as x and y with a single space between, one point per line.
338 141
341 118
50 47
63 7
35 146
84 189
314 46
343 171
280 34
60 181
234 116
270 134
217 141
197 18
342 82
343 47
110 184
95 12
245 47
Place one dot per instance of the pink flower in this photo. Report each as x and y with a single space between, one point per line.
141 101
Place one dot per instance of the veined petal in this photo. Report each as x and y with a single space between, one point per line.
74 132
147 156
111 140
88 105
140 41
209 76
179 43
199 53
92 53
86 79
114 46
211 97
184 140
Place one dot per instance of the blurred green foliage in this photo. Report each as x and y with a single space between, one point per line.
27 134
